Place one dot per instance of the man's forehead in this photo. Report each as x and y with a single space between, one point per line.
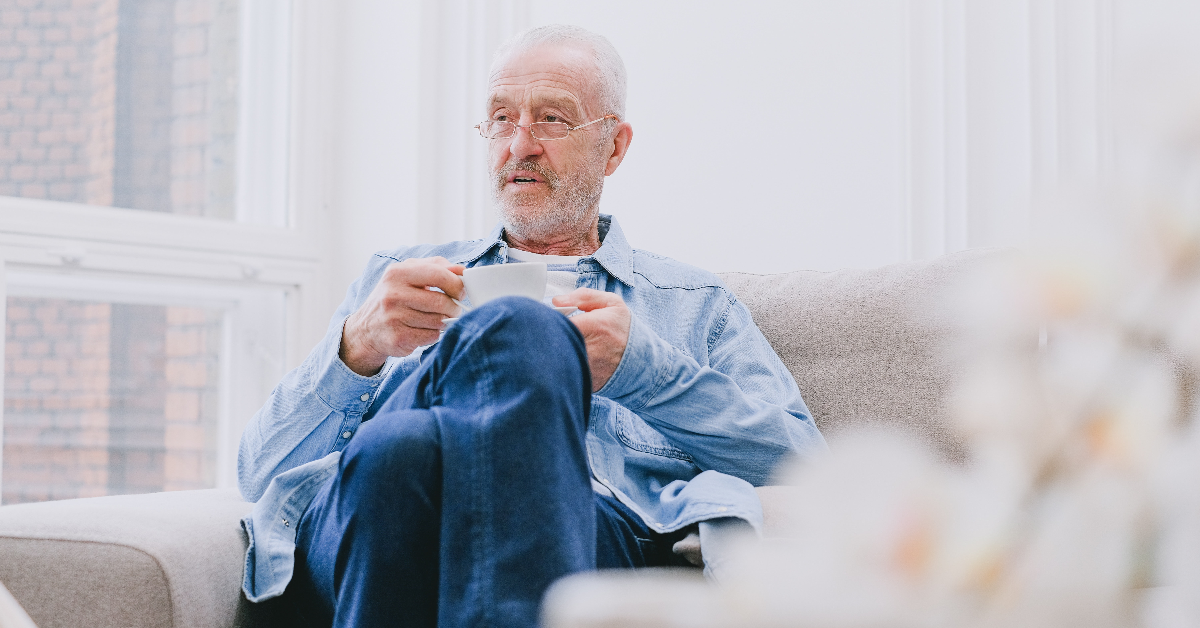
536 94
551 75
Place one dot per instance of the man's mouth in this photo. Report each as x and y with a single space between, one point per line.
524 177
527 173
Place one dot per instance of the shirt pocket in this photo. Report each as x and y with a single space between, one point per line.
638 435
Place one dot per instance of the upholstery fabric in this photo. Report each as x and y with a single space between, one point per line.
159 560
867 347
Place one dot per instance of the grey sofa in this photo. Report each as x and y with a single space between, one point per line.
865 346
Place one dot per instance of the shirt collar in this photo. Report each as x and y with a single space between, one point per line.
615 254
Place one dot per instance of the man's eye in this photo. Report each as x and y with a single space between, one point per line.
501 118
552 119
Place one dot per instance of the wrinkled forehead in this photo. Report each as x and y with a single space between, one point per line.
552 75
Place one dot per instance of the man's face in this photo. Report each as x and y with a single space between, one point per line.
547 189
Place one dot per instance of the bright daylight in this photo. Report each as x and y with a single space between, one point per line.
657 314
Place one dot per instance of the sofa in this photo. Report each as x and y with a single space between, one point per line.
867 347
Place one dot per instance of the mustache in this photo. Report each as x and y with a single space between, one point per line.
530 166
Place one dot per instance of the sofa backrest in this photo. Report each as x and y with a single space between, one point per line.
867 347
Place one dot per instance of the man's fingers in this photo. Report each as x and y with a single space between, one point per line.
424 321
426 301
587 299
426 274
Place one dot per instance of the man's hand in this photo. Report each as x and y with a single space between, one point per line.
401 313
604 322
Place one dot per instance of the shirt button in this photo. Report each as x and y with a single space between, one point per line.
365 397
345 434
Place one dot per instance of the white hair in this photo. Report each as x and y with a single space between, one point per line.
610 69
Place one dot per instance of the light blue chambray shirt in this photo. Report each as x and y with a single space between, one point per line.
699 411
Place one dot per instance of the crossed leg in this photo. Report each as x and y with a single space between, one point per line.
468 493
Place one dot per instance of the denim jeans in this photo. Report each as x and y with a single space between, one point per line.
469 493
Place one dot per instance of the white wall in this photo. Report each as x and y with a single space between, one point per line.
766 137
769 136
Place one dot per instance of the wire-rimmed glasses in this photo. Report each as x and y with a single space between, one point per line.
503 129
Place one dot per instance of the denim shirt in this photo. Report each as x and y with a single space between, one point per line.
698 412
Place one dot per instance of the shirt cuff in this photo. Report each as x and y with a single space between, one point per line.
342 388
637 376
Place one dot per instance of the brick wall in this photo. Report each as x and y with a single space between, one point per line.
125 102
103 399
56 387
56 99
193 348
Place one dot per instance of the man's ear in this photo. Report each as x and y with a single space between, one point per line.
621 143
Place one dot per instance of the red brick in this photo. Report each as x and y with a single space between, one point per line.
33 153
39 18
190 41
21 172
75 171
35 86
49 137
16 312
26 35
20 367
182 406
33 190
66 53
8 120
38 53
41 384
47 172
193 12
63 192
65 118
24 69
11 53
53 69
55 35
12 17
51 103
62 153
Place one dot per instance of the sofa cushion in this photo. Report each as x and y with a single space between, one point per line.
867 347
158 560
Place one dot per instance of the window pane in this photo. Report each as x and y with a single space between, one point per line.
130 103
108 399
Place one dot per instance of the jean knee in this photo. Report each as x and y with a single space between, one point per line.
529 328
391 443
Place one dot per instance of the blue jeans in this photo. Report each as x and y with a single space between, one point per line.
469 492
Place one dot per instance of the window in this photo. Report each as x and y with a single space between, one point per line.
150 270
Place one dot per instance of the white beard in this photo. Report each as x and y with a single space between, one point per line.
571 208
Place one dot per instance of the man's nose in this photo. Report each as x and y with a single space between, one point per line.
524 145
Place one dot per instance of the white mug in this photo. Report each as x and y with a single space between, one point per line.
484 283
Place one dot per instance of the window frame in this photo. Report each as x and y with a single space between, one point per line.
92 252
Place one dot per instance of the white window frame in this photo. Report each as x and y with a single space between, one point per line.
265 270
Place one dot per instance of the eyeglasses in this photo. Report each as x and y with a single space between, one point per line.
502 129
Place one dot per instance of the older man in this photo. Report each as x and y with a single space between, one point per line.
414 473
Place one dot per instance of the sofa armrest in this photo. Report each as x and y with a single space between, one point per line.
164 559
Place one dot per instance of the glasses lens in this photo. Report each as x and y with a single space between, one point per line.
549 130
495 129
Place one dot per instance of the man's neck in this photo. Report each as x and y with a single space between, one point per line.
579 244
